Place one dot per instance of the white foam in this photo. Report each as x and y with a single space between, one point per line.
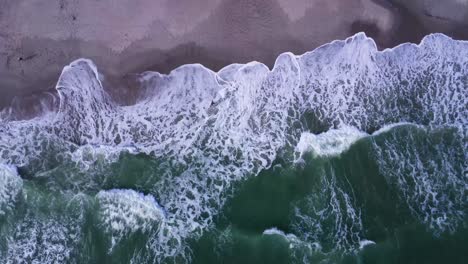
330 143
364 243
34 237
386 128
430 174
329 214
42 241
336 141
126 211
10 187
300 250
276 231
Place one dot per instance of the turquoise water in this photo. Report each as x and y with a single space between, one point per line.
342 155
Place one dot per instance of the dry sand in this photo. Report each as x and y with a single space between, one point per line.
125 37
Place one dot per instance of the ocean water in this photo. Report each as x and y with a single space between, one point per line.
344 154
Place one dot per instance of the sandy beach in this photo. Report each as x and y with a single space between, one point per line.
123 38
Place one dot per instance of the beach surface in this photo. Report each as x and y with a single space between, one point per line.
127 37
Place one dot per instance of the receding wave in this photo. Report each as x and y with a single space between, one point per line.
200 133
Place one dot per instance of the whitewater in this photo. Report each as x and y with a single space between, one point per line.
202 133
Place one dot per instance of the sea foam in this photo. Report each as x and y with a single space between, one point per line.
10 187
126 211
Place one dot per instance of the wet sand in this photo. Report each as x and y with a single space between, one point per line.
126 37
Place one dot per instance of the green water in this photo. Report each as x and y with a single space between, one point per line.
268 201
316 210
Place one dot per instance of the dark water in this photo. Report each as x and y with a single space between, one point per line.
341 155
274 198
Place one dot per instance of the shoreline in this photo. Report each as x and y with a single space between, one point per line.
129 90
226 32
